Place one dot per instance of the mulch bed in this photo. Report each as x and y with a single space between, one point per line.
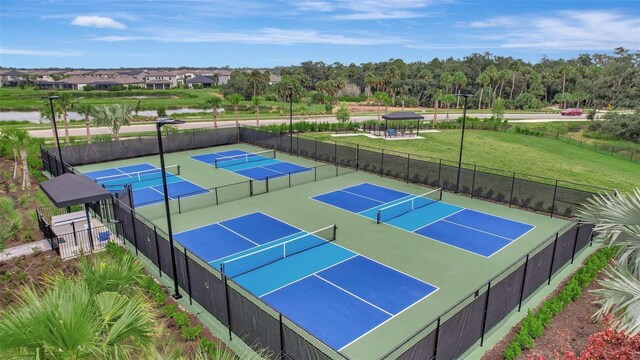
568 331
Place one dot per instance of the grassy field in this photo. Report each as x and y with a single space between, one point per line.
520 153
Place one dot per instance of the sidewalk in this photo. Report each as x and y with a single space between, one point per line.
25 249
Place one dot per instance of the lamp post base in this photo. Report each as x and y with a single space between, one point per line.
176 296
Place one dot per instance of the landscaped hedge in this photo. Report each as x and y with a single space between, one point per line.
533 325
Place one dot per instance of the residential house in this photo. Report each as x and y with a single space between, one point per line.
13 78
159 80
203 81
221 76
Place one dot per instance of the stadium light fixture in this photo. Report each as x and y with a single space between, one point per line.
159 124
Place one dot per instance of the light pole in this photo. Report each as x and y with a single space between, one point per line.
291 119
464 117
55 130
159 124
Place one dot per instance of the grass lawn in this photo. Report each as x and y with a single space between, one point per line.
520 153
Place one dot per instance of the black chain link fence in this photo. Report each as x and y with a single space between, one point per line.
449 335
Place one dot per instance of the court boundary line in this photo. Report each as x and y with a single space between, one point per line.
244 237
502 217
431 223
354 295
312 274
476 229
389 319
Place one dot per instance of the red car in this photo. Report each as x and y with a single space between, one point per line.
571 112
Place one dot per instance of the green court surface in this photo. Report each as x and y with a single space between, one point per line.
453 271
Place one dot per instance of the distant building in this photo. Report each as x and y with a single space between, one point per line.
13 78
222 76
204 81
160 80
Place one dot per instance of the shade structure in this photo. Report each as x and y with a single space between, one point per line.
71 189
402 115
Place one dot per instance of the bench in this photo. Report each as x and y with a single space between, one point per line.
66 219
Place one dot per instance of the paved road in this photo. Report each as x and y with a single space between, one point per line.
209 124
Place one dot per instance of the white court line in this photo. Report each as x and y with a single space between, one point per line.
244 237
389 319
312 274
354 295
478 230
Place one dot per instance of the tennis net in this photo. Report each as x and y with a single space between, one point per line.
268 255
398 209
120 180
244 158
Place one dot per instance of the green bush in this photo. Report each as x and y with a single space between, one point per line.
209 347
169 310
191 333
181 318
532 326
10 221
512 351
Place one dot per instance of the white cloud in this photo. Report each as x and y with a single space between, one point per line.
97 21
368 9
54 53
558 31
272 36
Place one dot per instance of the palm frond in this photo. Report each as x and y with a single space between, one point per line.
620 296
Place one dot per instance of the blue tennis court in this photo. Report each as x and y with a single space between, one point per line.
332 292
256 166
466 229
146 182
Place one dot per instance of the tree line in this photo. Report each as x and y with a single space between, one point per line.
590 80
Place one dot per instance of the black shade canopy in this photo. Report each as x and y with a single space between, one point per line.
71 189
402 115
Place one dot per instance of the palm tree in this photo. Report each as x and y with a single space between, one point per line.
235 100
89 316
436 104
381 98
67 101
446 81
113 116
370 80
483 80
514 68
565 70
448 99
257 100
459 80
617 220
213 103
86 110
45 113
255 77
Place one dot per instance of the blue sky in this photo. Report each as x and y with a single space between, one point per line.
204 33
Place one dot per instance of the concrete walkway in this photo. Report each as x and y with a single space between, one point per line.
25 249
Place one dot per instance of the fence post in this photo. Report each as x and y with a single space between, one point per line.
553 257
179 206
186 267
484 316
553 202
315 149
155 236
513 183
135 235
435 345
358 156
439 172
382 162
226 295
216 191
408 166
298 144
575 244
524 278
631 158
282 355
335 152
473 180
73 228
250 187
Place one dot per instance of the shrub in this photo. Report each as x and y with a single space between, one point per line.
512 351
169 310
191 333
524 339
181 319
209 347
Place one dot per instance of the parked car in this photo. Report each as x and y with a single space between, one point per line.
571 112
